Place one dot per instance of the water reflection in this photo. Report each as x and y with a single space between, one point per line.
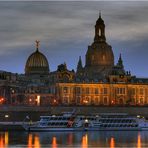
70 138
36 141
85 141
139 141
54 142
110 139
4 139
112 143
33 141
30 141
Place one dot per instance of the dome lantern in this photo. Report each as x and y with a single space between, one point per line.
100 30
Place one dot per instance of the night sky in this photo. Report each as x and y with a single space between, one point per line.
65 29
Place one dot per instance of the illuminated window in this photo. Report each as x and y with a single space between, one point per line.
105 90
99 32
65 89
96 91
133 91
105 100
141 91
93 57
87 90
78 90
78 99
97 100
121 91
141 101
65 100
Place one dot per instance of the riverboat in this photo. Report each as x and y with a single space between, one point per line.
69 121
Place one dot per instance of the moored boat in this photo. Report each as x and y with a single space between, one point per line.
69 121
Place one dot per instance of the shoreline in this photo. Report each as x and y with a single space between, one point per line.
18 113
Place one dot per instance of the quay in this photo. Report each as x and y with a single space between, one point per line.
12 117
18 113
4 126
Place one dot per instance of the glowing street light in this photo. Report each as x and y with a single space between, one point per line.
38 100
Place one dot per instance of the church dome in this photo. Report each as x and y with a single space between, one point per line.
37 63
100 54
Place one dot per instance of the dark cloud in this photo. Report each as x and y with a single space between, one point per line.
65 29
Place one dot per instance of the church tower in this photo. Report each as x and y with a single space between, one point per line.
79 66
120 62
99 56
100 30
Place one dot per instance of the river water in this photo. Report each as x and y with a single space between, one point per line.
74 139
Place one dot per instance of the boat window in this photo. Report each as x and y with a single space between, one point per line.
65 123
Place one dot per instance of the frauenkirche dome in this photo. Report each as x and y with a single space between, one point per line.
99 56
37 63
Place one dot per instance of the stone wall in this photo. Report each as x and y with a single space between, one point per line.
19 113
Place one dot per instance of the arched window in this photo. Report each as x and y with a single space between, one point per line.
103 57
105 100
99 32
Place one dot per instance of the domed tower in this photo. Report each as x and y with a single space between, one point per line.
99 56
37 63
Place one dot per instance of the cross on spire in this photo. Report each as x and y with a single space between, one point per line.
37 44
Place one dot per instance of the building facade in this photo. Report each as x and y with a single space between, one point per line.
99 82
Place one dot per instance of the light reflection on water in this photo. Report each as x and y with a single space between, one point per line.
54 142
112 143
110 139
85 141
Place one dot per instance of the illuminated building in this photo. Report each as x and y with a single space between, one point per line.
99 82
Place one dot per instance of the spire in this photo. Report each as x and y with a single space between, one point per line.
65 66
79 65
99 13
37 44
120 61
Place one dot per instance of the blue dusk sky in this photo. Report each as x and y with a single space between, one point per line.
65 29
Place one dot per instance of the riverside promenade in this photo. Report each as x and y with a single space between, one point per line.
19 113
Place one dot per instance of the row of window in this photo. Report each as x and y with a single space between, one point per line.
119 125
141 91
88 90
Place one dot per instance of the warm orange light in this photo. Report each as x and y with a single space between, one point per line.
38 100
139 141
1 141
112 143
2 100
85 101
85 141
54 142
36 141
6 138
30 142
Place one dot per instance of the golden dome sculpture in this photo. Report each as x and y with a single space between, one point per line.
37 63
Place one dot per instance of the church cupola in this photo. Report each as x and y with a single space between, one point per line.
100 30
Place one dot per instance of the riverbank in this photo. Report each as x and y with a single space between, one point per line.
18 113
